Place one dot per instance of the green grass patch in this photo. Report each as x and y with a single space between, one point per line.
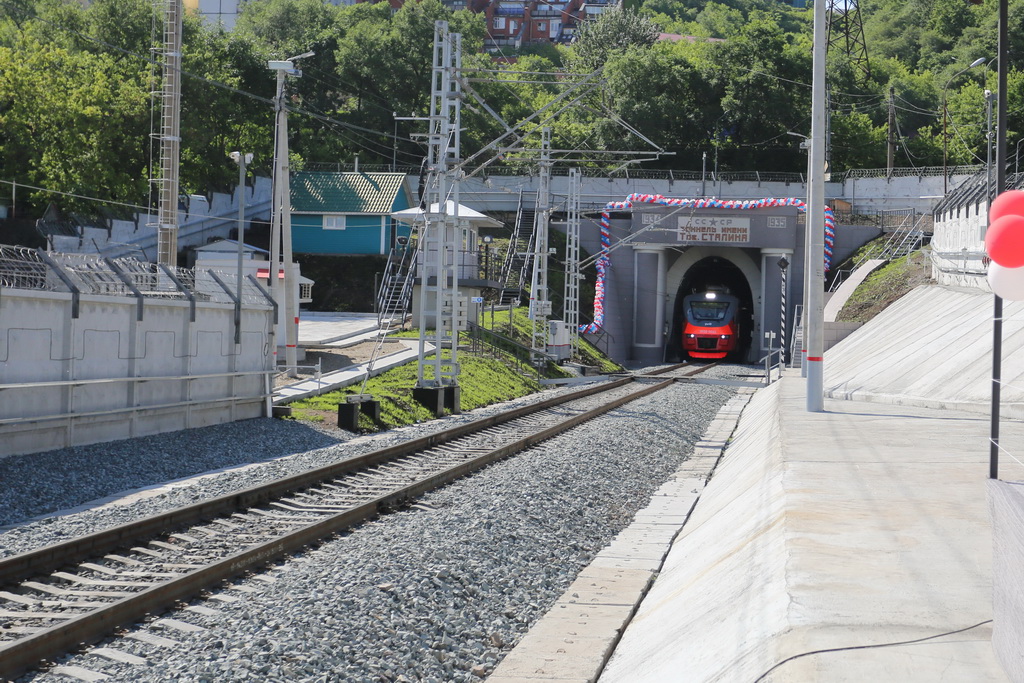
486 377
884 286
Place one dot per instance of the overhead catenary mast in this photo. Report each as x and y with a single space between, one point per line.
170 137
540 304
438 372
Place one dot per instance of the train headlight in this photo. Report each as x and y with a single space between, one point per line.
725 336
691 336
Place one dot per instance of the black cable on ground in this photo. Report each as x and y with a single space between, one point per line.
869 647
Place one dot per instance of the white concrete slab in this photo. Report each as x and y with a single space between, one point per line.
848 545
329 328
932 348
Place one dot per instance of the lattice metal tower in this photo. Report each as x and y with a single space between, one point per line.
169 136
571 312
540 304
846 33
439 242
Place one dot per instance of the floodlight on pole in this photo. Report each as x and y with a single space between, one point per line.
281 225
945 118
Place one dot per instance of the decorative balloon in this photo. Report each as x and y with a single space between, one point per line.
1006 203
1006 282
1004 240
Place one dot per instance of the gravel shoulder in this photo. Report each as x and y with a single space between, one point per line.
435 593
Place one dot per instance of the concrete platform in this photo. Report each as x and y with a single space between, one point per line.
848 545
344 377
336 329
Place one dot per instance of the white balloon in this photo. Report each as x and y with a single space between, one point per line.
1006 282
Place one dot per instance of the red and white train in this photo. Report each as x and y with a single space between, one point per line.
712 327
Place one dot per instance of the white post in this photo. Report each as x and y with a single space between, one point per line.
815 280
242 160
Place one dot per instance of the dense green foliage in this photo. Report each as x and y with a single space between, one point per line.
76 112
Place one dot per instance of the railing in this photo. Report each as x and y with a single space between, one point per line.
600 339
922 171
499 345
769 366
963 262
24 268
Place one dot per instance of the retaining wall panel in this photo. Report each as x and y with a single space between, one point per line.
108 342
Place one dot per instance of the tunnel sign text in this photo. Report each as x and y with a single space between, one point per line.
713 229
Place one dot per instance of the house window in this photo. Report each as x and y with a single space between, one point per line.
334 222
499 22
542 26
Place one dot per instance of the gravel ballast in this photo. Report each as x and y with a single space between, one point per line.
437 592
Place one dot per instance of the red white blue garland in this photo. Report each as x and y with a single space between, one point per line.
604 260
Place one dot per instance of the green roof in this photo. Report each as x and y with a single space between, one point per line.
326 192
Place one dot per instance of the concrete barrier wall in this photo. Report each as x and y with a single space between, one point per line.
1006 503
106 375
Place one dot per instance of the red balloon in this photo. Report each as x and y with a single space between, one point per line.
1009 203
1004 241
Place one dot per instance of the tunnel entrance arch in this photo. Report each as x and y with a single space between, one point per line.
702 267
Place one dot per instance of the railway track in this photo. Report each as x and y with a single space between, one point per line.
55 599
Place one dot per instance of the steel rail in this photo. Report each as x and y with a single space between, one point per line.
25 653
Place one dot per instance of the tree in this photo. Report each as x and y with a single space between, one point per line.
73 122
615 30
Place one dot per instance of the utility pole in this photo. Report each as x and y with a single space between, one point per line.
170 138
438 376
571 305
997 301
281 223
890 156
815 238
540 305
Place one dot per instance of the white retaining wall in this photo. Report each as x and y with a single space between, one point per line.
106 375
202 220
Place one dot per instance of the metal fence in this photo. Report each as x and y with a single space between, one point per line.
35 269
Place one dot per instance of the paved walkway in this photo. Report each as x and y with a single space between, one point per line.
848 545
338 330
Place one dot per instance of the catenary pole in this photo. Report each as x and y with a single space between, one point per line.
815 237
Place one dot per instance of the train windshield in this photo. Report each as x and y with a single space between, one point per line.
704 311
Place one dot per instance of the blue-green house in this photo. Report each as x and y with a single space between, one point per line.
347 213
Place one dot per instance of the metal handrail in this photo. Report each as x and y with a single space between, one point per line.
768 365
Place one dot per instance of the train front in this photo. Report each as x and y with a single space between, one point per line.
712 327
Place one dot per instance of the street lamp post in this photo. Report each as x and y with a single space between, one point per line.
945 117
989 96
394 143
242 160
487 239
281 225
703 174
